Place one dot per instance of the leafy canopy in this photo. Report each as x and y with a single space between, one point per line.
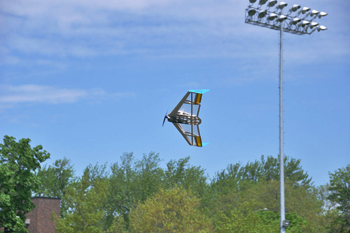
54 180
340 193
172 210
18 163
85 198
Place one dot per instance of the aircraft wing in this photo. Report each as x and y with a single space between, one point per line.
190 103
191 134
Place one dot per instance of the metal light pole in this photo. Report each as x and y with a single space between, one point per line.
282 209
276 20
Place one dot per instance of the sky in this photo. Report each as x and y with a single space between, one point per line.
91 80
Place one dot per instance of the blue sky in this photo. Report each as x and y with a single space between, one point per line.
92 80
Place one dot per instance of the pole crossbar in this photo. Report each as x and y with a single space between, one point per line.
275 27
289 27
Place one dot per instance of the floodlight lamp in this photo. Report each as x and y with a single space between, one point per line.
305 9
262 13
314 12
285 223
282 5
322 14
251 12
313 24
272 3
295 21
272 16
294 8
321 28
305 23
262 2
281 18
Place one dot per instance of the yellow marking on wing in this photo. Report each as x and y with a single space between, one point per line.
198 98
198 141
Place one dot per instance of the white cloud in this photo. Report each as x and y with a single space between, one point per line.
36 93
82 28
79 28
11 95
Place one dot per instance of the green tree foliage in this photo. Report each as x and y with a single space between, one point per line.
54 180
149 176
18 162
181 173
97 172
298 199
243 218
118 225
236 175
340 193
322 193
85 198
137 195
172 210
131 182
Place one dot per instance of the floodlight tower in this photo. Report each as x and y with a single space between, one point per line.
276 20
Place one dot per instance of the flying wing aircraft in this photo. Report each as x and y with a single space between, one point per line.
185 117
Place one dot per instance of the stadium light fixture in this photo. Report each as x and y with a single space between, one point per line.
251 12
272 16
272 3
262 2
314 13
251 2
305 23
281 18
281 5
290 23
295 21
262 13
322 14
294 8
305 10
313 24
321 28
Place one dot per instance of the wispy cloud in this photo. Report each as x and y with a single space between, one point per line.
43 94
198 28
11 95
158 27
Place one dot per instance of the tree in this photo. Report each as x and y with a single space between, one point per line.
173 210
245 218
235 176
148 176
340 193
118 225
181 173
54 180
133 181
130 183
18 162
301 205
85 200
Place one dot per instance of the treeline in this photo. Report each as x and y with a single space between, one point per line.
138 195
